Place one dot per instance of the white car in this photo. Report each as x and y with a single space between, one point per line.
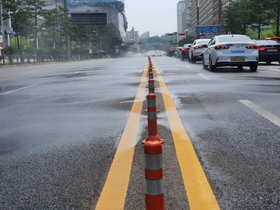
231 50
196 50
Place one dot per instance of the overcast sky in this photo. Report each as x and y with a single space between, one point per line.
156 16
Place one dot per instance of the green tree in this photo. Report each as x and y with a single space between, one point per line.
259 15
236 17
56 25
20 21
231 19
274 6
35 9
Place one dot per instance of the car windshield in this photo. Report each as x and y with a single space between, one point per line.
203 41
233 38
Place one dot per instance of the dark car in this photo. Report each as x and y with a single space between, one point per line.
185 52
269 50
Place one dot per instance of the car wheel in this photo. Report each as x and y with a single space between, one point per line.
203 63
211 67
254 68
190 59
193 59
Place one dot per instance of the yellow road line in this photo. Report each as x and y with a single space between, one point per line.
115 188
199 192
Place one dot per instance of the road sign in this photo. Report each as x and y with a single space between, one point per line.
175 33
207 29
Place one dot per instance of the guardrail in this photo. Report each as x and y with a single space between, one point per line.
19 59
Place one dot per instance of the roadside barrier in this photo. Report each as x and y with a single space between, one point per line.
151 85
151 75
152 119
154 196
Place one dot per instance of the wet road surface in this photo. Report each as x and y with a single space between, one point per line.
61 124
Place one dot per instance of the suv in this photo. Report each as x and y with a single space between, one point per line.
269 50
195 52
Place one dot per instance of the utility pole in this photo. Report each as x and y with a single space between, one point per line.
66 32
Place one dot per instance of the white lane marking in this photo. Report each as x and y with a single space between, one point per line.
12 91
274 69
204 76
262 112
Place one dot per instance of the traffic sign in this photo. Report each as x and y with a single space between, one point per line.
207 29
175 33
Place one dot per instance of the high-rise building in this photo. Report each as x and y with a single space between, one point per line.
206 13
180 10
186 18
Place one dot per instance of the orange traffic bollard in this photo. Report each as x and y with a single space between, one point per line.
152 119
154 196
151 85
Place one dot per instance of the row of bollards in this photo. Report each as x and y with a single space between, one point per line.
154 197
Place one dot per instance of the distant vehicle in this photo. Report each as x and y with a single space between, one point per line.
130 54
195 52
178 52
185 52
231 50
269 50
172 48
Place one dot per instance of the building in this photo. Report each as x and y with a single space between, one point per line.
180 10
206 13
113 8
145 35
186 18
194 15
132 36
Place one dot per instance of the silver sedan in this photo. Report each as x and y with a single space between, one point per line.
231 50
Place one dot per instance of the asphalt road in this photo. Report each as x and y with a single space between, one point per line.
61 123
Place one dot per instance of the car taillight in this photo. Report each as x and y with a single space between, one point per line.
185 50
197 47
221 47
252 47
261 48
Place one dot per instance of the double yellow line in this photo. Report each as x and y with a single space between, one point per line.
199 192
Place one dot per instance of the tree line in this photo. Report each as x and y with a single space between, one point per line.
34 25
246 16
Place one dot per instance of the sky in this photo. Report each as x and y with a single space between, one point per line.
156 16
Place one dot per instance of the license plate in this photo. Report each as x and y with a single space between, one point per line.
272 50
237 59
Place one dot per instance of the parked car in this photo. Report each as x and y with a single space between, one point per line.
178 52
195 52
231 50
185 52
269 50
